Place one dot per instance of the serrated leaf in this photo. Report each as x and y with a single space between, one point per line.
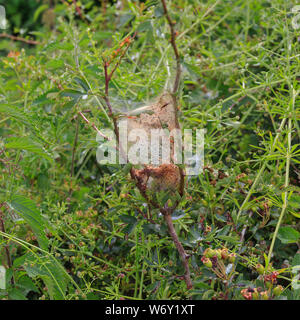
27 209
76 95
82 83
27 284
24 143
16 294
22 117
296 260
15 113
58 46
234 240
51 272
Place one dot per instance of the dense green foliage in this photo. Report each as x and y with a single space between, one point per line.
74 229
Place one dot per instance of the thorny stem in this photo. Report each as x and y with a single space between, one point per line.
173 43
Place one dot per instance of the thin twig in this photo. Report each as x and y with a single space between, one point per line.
149 219
173 43
93 126
184 257
74 146
15 38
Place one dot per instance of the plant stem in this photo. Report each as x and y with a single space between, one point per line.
74 146
173 43
286 184
184 257
260 171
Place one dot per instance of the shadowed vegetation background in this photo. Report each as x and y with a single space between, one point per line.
74 229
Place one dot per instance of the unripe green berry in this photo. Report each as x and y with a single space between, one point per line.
207 262
255 294
224 253
278 290
209 253
218 253
264 295
260 268
231 257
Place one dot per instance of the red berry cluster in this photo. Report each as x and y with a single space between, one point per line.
258 294
271 277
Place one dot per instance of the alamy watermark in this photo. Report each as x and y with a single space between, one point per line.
296 18
155 147
296 278
3 22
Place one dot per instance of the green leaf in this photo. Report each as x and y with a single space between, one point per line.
27 285
39 10
128 219
131 223
82 83
296 260
27 209
192 70
145 26
76 95
55 64
15 113
150 228
51 272
65 46
45 97
22 117
54 45
234 240
288 235
16 294
101 35
24 143
126 169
